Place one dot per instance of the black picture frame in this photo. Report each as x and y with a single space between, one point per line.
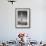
22 17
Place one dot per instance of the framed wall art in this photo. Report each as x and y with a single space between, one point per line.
22 17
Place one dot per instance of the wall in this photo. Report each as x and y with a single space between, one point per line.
38 17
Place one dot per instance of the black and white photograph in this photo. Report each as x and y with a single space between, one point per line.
22 17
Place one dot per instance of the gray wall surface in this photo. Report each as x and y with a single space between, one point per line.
38 19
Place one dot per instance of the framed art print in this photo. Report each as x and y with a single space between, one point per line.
22 17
